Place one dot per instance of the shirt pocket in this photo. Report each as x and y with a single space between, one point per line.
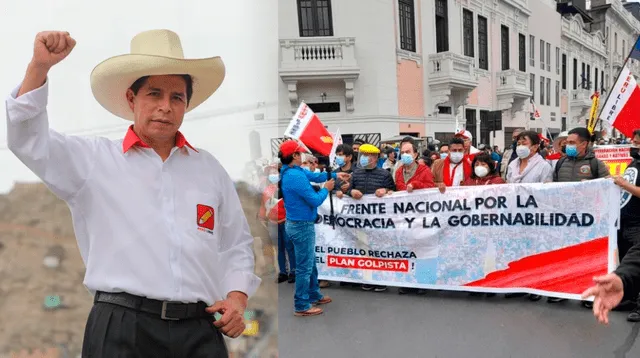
202 218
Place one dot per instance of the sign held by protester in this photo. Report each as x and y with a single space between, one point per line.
616 157
497 238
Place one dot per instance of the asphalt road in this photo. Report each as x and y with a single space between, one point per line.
449 325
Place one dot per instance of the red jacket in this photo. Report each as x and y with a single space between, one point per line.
272 208
422 179
489 180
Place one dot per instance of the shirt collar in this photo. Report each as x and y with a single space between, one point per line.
131 139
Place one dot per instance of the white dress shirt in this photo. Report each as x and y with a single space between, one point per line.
457 172
136 218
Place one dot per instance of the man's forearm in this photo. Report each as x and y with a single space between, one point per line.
33 79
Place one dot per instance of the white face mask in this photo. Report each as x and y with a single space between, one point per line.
523 151
456 157
481 171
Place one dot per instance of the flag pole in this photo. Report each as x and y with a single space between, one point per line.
598 119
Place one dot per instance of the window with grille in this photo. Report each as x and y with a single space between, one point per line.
522 52
532 50
532 85
548 91
314 18
467 31
557 60
442 26
548 57
406 13
541 90
483 36
504 47
541 54
557 93
564 71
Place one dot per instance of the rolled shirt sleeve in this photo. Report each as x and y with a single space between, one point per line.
62 162
236 245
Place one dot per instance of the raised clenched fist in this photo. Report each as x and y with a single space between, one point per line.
51 47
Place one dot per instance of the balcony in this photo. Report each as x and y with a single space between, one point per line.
580 103
512 90
451 75
318 58
617 61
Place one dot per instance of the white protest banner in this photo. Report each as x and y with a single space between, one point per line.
548 239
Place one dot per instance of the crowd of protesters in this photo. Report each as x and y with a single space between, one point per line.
366 169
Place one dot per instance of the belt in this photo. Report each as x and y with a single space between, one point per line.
166 310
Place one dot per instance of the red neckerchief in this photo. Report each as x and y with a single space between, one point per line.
466 168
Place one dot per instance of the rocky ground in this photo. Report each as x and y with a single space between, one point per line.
33 223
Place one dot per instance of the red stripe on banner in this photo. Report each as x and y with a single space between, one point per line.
628 121
567 270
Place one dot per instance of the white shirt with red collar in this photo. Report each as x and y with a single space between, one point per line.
172 230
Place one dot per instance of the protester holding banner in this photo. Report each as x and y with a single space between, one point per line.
484 172
529 167
580 162
454 169
301 202
412 175
368 179
629 232
344 160
509 154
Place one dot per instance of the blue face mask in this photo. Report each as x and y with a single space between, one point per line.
306 168
572 150
274 178
443 155
364 161
340 161
406 159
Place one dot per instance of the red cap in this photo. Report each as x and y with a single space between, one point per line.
289 147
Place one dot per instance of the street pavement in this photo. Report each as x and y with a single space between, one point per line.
449 325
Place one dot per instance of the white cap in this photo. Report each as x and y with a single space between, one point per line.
563 134
464 134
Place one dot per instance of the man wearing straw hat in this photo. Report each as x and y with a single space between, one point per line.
158 222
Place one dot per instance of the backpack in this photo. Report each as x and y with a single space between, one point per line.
595 172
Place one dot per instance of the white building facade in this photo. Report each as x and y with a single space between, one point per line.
377 69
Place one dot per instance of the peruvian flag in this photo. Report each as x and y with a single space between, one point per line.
622 106
306 127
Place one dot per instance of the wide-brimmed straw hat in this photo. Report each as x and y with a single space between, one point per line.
155 52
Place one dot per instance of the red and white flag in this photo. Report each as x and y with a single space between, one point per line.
306 127
623 105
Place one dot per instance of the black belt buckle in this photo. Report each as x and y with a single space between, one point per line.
163 314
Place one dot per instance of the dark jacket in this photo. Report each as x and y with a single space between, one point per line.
629 272
367 181
577 169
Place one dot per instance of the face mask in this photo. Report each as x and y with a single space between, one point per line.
564 149
364 161
514 145
523 151
443 155
317 170
273 178
481 171
384 156
340 161
456 157
306 168
572 150
406 159
634 152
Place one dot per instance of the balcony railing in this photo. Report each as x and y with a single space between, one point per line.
453 69
331 56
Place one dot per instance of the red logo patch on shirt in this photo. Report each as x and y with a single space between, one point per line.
205 218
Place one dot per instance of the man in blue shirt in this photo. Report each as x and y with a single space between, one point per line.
301 203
